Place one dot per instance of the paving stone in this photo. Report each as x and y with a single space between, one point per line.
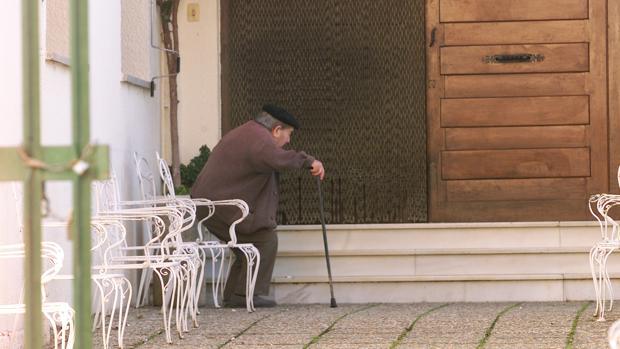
591 333
454 324
302 319
438 346
458 326
231 346
384 317
274 339
349 346
536 324
358 338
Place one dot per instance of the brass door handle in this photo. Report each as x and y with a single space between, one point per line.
514 58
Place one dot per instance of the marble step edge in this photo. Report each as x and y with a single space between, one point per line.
434 278
424 226
425 252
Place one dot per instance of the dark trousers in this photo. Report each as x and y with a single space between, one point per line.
266 241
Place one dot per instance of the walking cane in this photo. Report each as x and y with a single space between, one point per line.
329 269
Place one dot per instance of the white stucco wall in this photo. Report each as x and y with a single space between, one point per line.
136 46
10 135
123 115
199 80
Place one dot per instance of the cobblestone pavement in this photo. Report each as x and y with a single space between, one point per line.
419 325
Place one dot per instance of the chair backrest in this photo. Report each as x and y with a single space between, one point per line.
106 194
188 206
164 171
600 205
114 234
148 188
51 253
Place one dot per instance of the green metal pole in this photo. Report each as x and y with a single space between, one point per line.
33 337
81 187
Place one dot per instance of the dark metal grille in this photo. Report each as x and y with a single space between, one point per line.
353 73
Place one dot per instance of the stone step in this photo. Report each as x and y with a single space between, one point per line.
446 262
507 261
439 262
446 288
441 236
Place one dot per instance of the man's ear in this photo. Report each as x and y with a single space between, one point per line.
276 130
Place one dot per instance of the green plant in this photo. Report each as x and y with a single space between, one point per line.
190 171
181 190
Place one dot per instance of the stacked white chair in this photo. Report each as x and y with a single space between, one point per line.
187 252
149 196
214 248
114 288
111 288
176 266
59 315
600 206
249 251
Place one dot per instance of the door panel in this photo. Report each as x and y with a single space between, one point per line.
516 163
515 137
525 32
511 10
515 85
488 59
515 111
516 189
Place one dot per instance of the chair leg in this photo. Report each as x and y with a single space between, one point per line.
607 279
166 299
115 299
252 256
143 288
218 283
593 270
203 264
124 310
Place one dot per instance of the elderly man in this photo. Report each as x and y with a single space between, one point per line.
245 165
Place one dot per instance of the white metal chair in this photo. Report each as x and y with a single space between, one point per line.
213 248
187 252
111 288
600 206
613 335
59 314
176 267
249 251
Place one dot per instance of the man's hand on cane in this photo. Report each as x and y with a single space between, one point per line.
317 169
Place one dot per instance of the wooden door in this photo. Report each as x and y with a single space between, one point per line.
517 108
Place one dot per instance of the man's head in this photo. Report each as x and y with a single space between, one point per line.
279 122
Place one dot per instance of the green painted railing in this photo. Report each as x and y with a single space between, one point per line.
32 180
81 186
31 162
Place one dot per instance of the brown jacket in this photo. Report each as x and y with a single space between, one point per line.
243 165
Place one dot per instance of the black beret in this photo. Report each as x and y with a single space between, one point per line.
281 115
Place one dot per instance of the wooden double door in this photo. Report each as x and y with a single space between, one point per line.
517 108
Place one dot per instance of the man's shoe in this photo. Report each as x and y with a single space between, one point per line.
260 302
235 301
238 301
